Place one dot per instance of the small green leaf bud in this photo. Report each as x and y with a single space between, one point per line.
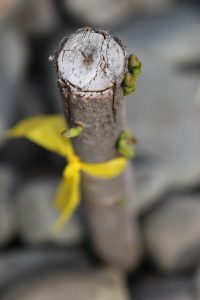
133 61
129 90
129 80
72 132
125 144
134 65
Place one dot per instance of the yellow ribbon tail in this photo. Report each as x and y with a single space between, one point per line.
63 191
44 130
105 170
68 197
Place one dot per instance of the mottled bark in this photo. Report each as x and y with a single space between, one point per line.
90 68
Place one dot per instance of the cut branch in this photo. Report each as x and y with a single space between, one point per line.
90 68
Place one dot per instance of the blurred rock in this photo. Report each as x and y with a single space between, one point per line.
177 39
7 217
160 288
37 215
32 16
151 6
151 184
95 285
8 6
173 37
13 60
100 12
111 12
30 102
172 235
197 284
17 265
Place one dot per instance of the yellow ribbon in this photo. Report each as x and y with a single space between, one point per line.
45 130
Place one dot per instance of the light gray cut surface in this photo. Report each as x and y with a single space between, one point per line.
91 61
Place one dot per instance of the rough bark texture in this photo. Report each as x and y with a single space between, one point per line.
90 67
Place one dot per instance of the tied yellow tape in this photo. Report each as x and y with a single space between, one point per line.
45 130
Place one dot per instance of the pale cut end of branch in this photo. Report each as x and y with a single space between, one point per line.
91 61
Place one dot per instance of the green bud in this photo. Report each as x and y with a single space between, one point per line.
73 132
129 90
134 65
136 73
125 144
129 80
133 61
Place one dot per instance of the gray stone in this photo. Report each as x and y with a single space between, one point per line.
16 265
151 6
8 7
95 285
172 235
35 104
112 12
32 17
107 12
173 37
197 284
177 40
160 288
13 59
7 207
37 215
152 183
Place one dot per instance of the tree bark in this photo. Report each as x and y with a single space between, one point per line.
90 68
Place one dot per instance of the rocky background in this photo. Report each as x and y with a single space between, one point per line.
164 114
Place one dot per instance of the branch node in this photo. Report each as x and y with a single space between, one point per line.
125 144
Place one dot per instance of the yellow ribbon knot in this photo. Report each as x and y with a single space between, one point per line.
46 132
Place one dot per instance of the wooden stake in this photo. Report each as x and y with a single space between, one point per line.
90 67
